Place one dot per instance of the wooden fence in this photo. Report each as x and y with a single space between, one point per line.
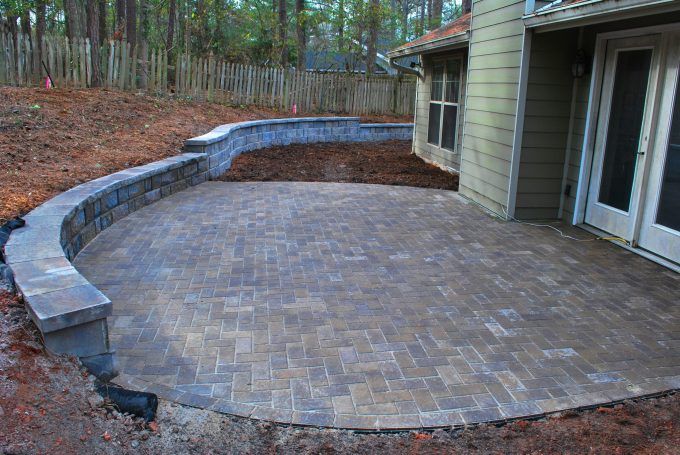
126 67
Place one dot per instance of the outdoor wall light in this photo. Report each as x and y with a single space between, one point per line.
580 65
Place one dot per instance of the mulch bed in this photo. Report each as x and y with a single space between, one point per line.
386 163
53 140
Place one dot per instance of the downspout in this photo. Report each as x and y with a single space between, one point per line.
406 69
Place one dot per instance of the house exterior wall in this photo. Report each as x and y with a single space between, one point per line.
546 125
439 156
492 93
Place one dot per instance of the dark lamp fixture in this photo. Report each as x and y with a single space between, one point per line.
580 65
416 64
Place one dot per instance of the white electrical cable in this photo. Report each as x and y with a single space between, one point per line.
562 234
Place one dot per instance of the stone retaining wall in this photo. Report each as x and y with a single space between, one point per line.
69 311
226 142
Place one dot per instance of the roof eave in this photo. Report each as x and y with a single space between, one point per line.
457 40
590 10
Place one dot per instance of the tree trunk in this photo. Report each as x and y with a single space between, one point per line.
203 27
40 25
341 25
301 29
429 14
436 21
171 24
144 40
92 7
185 21
467 6
394 20
103 12
26 24
14 31
119 28
131 21
404 20
71 12
283 31
373 29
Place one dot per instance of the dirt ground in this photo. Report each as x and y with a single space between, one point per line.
387 163
48 403
52 140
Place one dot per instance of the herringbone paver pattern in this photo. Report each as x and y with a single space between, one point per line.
375 306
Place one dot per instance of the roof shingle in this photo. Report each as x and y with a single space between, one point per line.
460 25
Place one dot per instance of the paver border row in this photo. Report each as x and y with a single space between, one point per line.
406 422
69 311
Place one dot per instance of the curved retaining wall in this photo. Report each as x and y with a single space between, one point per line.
69 311
226 142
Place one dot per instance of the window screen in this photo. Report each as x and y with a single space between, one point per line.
449 127
433 126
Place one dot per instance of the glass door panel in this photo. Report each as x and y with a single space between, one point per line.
625 124
668 213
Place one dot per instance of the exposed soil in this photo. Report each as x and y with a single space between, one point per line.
387 163
47 405
52 140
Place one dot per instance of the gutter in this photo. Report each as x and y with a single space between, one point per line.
588 9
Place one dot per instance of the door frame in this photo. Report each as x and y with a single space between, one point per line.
653 235
590 133
600 210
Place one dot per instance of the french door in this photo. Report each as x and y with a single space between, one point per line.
622 137
634 190
660 227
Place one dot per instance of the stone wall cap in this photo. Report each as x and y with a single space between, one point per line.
41 276
70 200
386 125
17 251
222 132
68 307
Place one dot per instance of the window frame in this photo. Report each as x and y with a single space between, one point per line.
443 61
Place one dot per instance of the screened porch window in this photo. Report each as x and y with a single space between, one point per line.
444 100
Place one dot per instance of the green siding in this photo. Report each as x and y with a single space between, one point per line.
546 125
493 83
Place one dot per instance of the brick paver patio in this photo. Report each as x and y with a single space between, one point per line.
365 306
